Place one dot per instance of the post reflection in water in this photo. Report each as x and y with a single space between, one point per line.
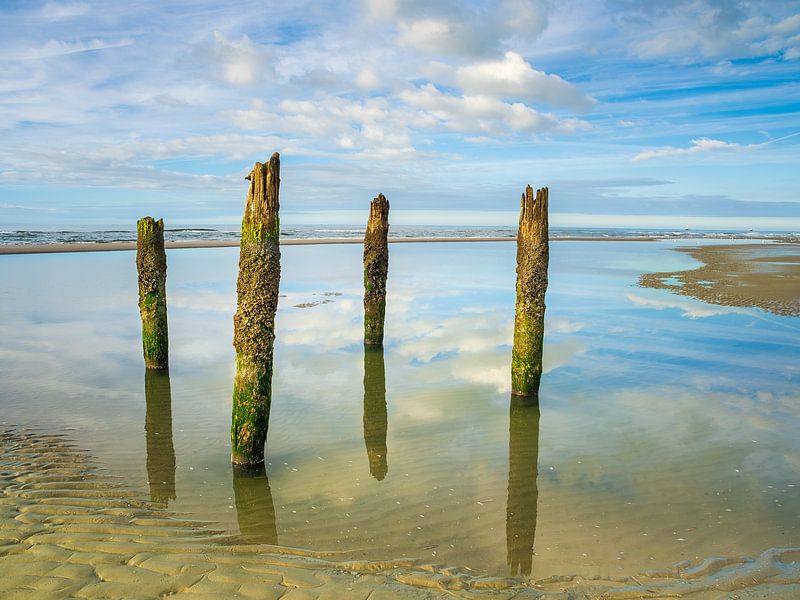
523 491
255 511
375 412
158 431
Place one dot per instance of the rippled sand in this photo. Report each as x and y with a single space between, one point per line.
70 530
766 276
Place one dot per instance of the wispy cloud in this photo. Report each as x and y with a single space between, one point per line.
703 145
62 48
64 10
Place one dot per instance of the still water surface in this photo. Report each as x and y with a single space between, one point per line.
666 428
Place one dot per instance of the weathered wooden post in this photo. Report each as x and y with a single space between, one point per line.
254 321
375 413
158 434
532 260
376 268
255 510
523 490
151 262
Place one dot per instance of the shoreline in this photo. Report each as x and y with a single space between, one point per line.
54 248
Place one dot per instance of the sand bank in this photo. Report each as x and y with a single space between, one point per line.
116 246
765 276
70 530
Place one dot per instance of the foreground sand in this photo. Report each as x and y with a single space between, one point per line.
69 530
765 276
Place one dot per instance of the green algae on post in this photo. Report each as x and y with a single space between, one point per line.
254 321
151 263
532 261
375 413
376 268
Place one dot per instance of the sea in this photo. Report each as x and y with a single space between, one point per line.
14 235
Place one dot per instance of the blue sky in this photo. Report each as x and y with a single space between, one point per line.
634 113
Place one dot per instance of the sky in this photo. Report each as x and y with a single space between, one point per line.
632 112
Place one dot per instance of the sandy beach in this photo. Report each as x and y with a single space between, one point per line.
765 276
71 530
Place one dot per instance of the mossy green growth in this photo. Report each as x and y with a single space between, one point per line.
374 317
253 231
526 356
368 287
155 344
252 398
147 227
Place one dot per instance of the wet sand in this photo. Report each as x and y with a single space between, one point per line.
68 529
765 276
117 246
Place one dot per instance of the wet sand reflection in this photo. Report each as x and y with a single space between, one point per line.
523 491
255 510
158 432
375 412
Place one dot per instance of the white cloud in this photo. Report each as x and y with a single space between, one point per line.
240 62
701 29
693 309
703 145
483 114
512 77
64 10
373 123
55 47
368 79
697 146
789 25
458 29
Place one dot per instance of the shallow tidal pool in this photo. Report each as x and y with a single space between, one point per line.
666 428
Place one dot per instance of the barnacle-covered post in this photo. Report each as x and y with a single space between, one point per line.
151 263
376 267
254 321
532 260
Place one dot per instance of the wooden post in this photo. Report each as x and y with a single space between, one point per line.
158 433
376 268
375 413
254 322
523 490
255 511
151 263
532 261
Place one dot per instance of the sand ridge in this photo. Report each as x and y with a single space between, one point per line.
70 530
765 276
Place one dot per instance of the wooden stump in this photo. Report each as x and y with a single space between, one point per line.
376 268
254 322
151 263
532 261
